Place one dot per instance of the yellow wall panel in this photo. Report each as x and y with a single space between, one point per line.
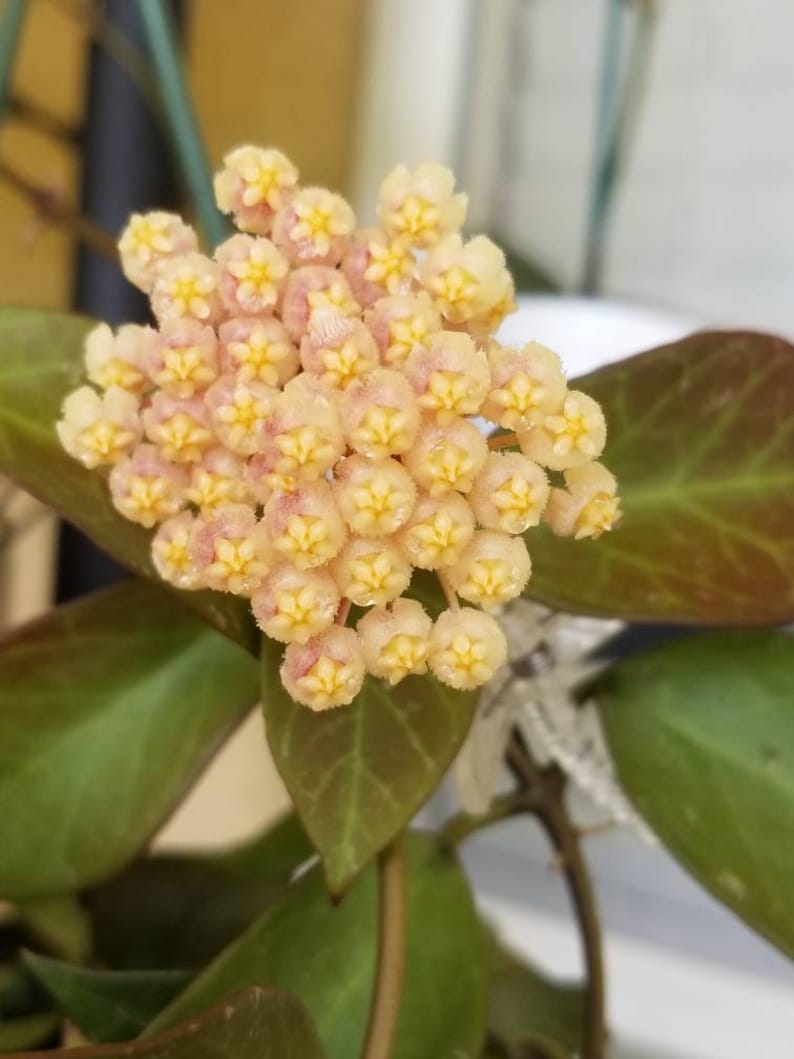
282 73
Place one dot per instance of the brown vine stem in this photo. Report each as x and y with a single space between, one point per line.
50 207
548 787
502 441
393 923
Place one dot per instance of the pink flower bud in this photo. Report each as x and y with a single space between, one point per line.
219 479
371 571
311 289
304 526
588 506
395 640
99 428
251 274
293 605
149 241
187 285
171 552
465 280
450 376
181 426
380 414
421 206
493 568
146 488
375 499
240 412
117 360
258 349
327 671
446 456
303 438
575 435
254 183
182 357
466 648
401 324
528 384
314 228
510 493
337 349
438 530
231 551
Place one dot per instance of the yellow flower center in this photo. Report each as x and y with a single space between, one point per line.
184 370
402 655
404 335
519 398
336 296
455 290
438 540
209 490
516 501
236 565
117 372
380 507
466 658
183 439
145 236
489 582
327 683
298 615
373 579
390 265
417 218
571 430
259 358
448 467
598 516
343 365
106 439
449 393
305 450
305 541
381 432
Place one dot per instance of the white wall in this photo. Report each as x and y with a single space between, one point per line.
705 218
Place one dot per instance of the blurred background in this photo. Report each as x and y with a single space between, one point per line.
629 151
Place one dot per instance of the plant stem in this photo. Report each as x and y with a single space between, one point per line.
162 39
546 787
11 19
50 207
564 837
459 827
393 923
502 441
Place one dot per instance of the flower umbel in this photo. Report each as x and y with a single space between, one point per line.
296 428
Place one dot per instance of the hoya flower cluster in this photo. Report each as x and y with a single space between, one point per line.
297 425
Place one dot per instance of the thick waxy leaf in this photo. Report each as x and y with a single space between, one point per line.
109 709
59 925
358 773
107 1005
40 363
180 910
526 1010
257 1024
702 732
28 1031
325 954
701 438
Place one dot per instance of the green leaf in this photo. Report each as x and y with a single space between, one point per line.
257 1024
109 710
359 773
702 732
29 1031
325 954
180 910
58 924
701 438
107 1006
41 361
526 1009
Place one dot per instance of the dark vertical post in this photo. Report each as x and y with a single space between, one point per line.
126 168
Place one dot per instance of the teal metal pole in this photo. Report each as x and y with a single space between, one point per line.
11 20
163 44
